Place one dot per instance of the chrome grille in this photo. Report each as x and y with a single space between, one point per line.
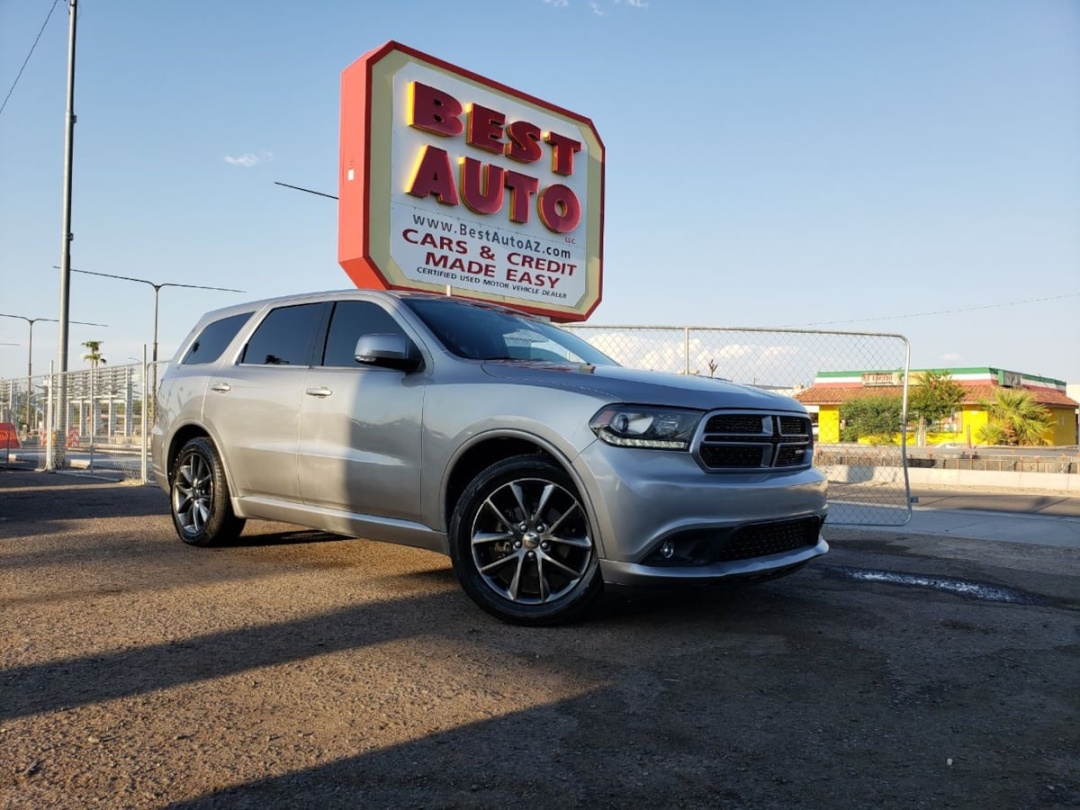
749 441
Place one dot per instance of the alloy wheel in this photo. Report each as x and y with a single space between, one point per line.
193 494
530 542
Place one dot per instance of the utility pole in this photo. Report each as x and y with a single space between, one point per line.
69 142
66 235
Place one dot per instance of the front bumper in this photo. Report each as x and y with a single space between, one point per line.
636 575
642 498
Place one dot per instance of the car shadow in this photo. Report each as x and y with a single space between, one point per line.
285 538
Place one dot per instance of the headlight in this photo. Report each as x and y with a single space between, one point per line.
656 428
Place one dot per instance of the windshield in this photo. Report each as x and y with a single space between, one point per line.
479 332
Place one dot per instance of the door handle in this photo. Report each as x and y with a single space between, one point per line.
222 387
321 392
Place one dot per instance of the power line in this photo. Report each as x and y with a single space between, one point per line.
308 190
158 286
943 311
32 47
151 283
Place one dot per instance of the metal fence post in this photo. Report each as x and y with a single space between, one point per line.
144 439
686 351
50 440
93 417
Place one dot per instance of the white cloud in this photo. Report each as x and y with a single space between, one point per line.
951 358
249 159
597 6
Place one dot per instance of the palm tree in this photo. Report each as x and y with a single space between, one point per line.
1015 419
93 354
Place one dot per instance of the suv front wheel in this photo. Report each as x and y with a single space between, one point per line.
521 543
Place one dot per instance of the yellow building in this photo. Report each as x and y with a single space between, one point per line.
831 389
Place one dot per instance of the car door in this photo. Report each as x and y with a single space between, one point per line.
253 406
360 424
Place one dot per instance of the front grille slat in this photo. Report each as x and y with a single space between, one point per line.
745 424
790 455
764 539
794 426
749 441
734 455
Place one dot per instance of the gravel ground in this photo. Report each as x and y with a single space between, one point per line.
298 669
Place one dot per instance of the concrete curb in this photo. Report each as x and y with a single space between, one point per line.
992 479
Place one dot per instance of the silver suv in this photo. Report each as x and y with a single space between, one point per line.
540 466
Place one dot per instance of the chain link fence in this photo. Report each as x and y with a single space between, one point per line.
99 419
868 485
19 407
92 421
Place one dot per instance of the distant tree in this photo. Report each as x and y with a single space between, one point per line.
1015 418
993 434
875 418
933 399
93 354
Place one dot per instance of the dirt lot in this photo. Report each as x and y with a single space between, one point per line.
297 669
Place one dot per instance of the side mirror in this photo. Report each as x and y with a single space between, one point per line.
391 351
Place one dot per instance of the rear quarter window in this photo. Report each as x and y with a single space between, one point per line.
287 335
214 339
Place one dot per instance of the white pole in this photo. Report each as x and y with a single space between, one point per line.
50 443
144 439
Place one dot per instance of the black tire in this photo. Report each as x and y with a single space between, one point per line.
521 543
199 496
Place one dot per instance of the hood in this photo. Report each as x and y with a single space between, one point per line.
618 384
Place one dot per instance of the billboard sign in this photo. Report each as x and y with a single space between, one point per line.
452 182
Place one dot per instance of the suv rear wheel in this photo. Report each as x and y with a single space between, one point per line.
199 495
521 543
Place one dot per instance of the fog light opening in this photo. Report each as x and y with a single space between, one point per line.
667 551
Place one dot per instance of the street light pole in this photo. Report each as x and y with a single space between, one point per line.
30 352
158 286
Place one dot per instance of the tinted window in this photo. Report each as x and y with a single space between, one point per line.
286 336
213 339
350 321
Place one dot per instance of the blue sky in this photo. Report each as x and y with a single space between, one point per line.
769 163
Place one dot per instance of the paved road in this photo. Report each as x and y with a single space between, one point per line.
1017 517
297 669
1029 519
982 500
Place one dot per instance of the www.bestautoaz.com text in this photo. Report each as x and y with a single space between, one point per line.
519 269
